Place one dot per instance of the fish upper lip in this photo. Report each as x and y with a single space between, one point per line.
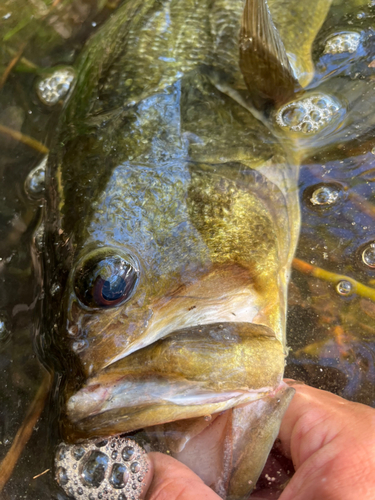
244 303
261 330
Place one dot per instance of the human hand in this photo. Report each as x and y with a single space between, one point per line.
331 442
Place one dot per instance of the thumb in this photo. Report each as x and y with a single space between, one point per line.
174 481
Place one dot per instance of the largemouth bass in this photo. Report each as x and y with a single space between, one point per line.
171 220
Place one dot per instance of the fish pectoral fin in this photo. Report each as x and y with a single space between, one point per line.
263 59
255 427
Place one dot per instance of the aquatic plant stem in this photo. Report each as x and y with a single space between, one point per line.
24 432
11 65
25 139
23 60
357 288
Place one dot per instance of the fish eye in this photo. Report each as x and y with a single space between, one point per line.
105 279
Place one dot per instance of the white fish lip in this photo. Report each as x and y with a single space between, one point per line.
88 403
138 391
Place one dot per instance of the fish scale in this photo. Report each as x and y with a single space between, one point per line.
174 39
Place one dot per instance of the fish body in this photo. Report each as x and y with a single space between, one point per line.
171 220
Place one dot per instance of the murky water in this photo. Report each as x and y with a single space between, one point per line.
331 322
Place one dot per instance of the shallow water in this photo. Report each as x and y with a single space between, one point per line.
330 334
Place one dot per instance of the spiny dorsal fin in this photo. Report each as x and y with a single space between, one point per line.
263 59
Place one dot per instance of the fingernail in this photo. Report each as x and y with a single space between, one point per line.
115 467
291 382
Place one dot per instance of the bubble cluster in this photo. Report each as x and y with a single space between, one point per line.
113 469
368 255
308 115
343 42
55 86
35 181
344 287
324 195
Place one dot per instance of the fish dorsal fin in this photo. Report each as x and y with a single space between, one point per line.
263 59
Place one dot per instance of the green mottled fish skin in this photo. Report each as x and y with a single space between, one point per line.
151 155
159 158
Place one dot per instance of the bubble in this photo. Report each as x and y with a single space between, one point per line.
343 42
293 115
306 127
315 115
92 496
373 151
62 476
122 497
35 181
344 287
80 491
135 467
114 455
61 453
308 115
320 102
102 443
119 476
55 86
324 195
94 469
368 255
127 453
78 453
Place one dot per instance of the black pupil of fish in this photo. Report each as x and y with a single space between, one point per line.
105 282
114 288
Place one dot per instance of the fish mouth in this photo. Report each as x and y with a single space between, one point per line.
193 372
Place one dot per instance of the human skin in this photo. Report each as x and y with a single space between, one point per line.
330 440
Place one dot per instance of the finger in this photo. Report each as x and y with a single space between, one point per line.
174 481
313 419
328 439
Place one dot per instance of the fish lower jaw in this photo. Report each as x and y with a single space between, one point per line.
87 419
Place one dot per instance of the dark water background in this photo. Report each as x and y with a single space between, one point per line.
331 337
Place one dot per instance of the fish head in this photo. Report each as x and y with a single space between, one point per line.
178 260
173 307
